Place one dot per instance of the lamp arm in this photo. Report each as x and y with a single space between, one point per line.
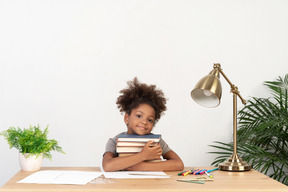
234 89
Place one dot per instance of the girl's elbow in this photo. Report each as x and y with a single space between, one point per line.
180 166
107 168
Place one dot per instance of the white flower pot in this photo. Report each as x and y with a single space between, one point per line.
32 163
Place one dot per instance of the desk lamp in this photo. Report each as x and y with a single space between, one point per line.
207 93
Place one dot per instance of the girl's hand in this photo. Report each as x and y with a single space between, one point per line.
150 152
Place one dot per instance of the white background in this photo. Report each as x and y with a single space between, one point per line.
63 63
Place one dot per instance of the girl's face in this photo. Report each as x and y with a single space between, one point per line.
141 120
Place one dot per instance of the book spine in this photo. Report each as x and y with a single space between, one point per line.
150 136
136 140
128 149
134 144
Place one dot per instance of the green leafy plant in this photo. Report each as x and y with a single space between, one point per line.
32 140
262 133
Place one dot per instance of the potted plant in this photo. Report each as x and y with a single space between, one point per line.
33 145
263 133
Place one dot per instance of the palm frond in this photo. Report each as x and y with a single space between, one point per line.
262 134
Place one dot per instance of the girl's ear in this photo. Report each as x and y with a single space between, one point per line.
126 118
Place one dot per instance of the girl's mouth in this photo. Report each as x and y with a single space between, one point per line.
140 127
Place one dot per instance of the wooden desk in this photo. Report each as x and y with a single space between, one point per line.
223 182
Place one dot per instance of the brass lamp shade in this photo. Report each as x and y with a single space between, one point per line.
208 90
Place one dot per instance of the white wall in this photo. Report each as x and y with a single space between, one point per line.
63 63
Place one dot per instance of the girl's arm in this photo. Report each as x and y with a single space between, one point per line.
112 163
173 163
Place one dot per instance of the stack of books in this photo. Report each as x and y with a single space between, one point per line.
128 144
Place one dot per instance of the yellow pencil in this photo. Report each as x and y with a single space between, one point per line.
187 173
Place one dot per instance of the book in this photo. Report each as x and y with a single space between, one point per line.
125 154
133 144
129 149
139 138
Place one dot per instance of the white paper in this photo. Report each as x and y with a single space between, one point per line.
135 175
129 174
61 177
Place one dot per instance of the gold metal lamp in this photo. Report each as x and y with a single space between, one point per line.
207 93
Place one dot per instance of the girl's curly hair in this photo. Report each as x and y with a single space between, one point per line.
138 93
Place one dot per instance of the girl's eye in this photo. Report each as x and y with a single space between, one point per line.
139 116
151 120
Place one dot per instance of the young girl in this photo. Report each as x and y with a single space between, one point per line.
143 106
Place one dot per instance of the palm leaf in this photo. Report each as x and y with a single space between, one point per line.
262 134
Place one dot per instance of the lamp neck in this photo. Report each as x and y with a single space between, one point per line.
234 89
215 72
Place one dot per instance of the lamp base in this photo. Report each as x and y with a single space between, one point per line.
235 164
